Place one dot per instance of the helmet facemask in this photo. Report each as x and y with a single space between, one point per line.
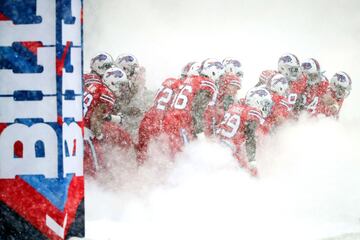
103 68
212 69
291 72
311 68
341 85
266 107
313 78
340 91
260 98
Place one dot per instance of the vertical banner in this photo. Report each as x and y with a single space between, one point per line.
41 125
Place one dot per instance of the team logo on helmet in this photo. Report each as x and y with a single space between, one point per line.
218 65
116 74
280 80
129 58
340 77
286 59
260 92
306 65
100 57
236 63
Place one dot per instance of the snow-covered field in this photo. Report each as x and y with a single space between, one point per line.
309 185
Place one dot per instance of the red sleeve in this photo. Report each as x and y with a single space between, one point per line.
254 115
209 120
90 78
107 97
266 76
299 85
323 88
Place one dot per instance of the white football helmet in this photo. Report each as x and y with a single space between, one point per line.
128 63
101 62
233 66
191 69
115 79
212 69
261 99
340 83
279 84
289 66
311 68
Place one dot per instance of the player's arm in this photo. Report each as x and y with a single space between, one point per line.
299 103
331 107
199 105
250 145
250 140
97 120
124 109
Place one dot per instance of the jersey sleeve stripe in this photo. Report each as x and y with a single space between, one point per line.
284 103
91 81
235 83
108 99
208 82
253 113
209 85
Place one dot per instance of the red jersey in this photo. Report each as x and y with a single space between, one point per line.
90 78
165 94
296 89
266 76
97 93
232 129
151 124
178 119
312 97
213 115
225 81
279 112
327 109
179 113
215 111
162 102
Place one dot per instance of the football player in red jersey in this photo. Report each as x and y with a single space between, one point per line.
98 65
316 87
289 66
99 100
151 124
237 130
229 84
184 118
139 100
339 88
265 77
278 87
134 72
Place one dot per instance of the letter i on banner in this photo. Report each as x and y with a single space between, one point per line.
41 125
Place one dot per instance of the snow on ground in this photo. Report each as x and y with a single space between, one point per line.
309 188
309 170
